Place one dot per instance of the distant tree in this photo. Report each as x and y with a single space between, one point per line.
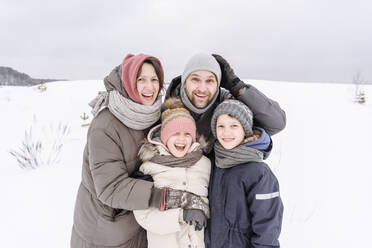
358 81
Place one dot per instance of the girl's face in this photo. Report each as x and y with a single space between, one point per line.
179 143
148 84
230 132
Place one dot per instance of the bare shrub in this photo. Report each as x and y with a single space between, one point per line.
41 146
28 155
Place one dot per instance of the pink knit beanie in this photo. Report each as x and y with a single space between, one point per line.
176 118
129 70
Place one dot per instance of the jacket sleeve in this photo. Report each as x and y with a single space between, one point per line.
159 222
267 113
266 208
110 176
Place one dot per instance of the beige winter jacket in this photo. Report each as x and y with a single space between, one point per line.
107 194
166 228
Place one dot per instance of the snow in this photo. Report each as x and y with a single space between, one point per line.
321 159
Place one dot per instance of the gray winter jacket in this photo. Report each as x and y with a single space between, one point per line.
266 112
107 194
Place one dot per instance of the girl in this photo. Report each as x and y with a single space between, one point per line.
174 159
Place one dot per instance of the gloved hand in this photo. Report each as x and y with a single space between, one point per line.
195 217
229 80
140 175
167 198
192 201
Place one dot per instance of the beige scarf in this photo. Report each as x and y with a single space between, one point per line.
133 115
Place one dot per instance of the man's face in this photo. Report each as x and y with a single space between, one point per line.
200 87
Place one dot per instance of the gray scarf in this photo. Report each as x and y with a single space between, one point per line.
185 162
238 155
190 105
130 113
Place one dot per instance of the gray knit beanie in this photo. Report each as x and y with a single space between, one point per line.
202 61
236 109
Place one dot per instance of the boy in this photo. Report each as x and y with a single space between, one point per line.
246 209
175 161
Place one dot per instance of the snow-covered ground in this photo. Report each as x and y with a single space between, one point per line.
322 160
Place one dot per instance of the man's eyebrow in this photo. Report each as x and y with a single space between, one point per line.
194 74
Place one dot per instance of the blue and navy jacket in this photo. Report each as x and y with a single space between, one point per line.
246 208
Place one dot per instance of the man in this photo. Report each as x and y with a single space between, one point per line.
208 80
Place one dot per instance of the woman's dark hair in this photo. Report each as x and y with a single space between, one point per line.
158 69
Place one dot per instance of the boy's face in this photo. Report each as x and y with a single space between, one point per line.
179 143
230 132
200 87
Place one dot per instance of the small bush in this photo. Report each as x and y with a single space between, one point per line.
28 155
41 146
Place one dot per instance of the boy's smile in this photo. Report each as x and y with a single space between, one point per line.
230 132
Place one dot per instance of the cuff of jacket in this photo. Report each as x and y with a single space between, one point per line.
237 89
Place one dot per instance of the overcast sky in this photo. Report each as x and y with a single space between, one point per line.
293 40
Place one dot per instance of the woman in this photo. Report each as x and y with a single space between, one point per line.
107 194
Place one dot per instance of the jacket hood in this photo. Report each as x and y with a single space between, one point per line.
174 88
113 81
263 144
153 146
130 67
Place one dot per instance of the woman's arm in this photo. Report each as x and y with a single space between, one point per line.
110 176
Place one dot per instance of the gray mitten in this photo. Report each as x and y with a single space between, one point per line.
167 198
229 80
192 201
195 217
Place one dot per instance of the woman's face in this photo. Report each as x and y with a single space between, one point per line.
148 84
230 132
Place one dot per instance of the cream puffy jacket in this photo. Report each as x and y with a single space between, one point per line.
166 228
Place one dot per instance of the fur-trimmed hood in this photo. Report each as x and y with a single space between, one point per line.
152 145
